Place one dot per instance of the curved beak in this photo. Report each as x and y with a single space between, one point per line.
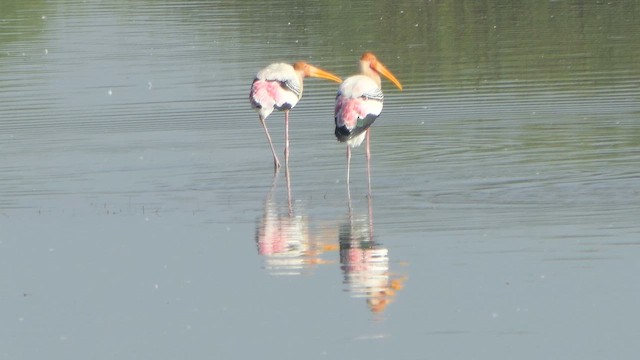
384 71
319 73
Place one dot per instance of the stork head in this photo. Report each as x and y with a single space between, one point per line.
370 60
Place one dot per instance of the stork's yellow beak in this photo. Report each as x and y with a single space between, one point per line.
319 73
379 67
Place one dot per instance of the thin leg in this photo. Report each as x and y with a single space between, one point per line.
288 176
369 161
273 188
276 163
370 205
348 172
286 137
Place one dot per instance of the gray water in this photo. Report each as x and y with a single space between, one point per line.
140 218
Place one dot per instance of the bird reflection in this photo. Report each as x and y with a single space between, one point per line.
365 263
283 237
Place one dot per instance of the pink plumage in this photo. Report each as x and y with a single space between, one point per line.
269 95
279 87
348 111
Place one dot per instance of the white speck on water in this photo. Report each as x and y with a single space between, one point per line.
155 286
46 51
494 315
150 85
371 337
110 92
43 17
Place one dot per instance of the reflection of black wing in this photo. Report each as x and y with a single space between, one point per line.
355 235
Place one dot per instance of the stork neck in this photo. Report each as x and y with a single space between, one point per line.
365 69
300 75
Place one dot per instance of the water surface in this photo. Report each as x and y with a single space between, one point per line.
140 217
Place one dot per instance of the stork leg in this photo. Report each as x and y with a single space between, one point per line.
369 162
348 172
286 137
370 206
286 160
288 176
276 163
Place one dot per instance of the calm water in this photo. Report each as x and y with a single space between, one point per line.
139 217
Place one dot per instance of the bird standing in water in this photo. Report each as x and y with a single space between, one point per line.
358 105
279 87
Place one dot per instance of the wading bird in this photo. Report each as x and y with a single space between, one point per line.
279 87
358 105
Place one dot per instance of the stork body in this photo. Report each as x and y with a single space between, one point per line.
358 105
279 87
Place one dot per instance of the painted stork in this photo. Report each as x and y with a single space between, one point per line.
358 105
279 87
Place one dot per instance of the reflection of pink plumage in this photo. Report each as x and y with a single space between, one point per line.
284 239
271 239
279 87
